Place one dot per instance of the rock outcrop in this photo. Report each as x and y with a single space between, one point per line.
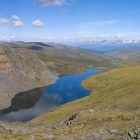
21 70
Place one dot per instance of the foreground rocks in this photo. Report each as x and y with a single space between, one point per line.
82 125
134 135
12 128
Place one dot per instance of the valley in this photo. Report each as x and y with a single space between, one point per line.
111 111
69 69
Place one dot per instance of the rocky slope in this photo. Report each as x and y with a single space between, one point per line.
21 70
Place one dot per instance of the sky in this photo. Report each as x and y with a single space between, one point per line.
65 20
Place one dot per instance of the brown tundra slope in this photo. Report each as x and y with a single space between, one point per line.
21 70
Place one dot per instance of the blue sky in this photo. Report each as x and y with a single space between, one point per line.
55 20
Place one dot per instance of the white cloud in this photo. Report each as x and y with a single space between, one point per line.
15 18
51 2
131 41
101 40
38 23
8 38
18 23
4 21
119 36
13 37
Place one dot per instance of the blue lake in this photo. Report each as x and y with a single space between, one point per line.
64 90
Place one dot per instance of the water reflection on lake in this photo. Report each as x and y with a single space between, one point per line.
66 89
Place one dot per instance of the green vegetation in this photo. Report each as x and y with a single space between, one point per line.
3 62
6 136
66 61
126 54
38 79
127 63
116 89
113 103
65 67
120 88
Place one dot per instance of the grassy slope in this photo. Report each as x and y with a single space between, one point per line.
115 99
116 89
113 104
72 60
130 54
65 60
120 88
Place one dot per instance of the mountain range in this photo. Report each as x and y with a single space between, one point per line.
110 112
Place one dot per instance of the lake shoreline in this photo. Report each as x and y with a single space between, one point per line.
69 89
